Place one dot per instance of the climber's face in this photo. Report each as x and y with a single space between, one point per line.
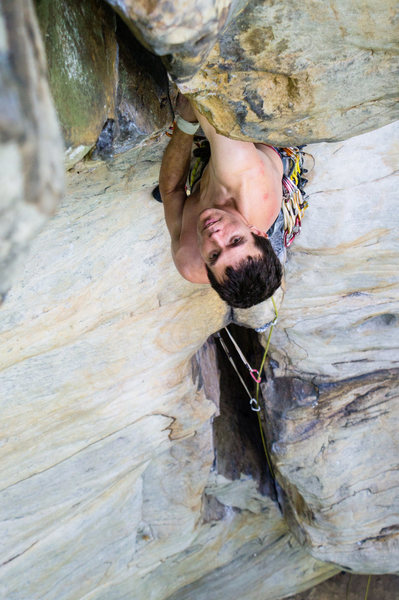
224 239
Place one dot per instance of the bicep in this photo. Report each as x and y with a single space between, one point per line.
189 264
186 258
173 205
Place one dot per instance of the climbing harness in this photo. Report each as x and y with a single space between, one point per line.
294 197
253 399
201 153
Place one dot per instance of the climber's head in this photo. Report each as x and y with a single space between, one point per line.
241 264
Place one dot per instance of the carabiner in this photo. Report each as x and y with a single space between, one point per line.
288 240
297 227
258 379
257 407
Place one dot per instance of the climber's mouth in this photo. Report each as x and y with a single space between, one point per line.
209 222
208 218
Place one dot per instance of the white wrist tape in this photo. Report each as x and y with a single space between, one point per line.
186 126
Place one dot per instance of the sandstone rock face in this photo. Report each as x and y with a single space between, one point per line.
81 53
380 586
31 177
182 32
282 72
109 477
107 88
107 456
332 393
290 73
143 105
132 466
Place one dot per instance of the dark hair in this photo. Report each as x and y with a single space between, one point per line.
253 280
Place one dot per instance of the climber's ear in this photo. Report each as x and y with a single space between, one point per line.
257 231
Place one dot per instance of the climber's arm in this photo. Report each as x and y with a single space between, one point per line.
174 170
231 159
172 179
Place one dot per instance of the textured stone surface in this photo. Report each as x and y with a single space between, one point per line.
182 32
109 91
125 468
81 53
107 450
384 587
332 394
290 73
31 175
142 100
108 475
280 72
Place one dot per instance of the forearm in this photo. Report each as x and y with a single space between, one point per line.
175 163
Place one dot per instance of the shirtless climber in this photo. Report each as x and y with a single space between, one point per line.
218 232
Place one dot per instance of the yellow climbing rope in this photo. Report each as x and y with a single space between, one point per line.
255 374
269 462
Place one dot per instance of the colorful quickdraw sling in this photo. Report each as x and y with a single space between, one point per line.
294 197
